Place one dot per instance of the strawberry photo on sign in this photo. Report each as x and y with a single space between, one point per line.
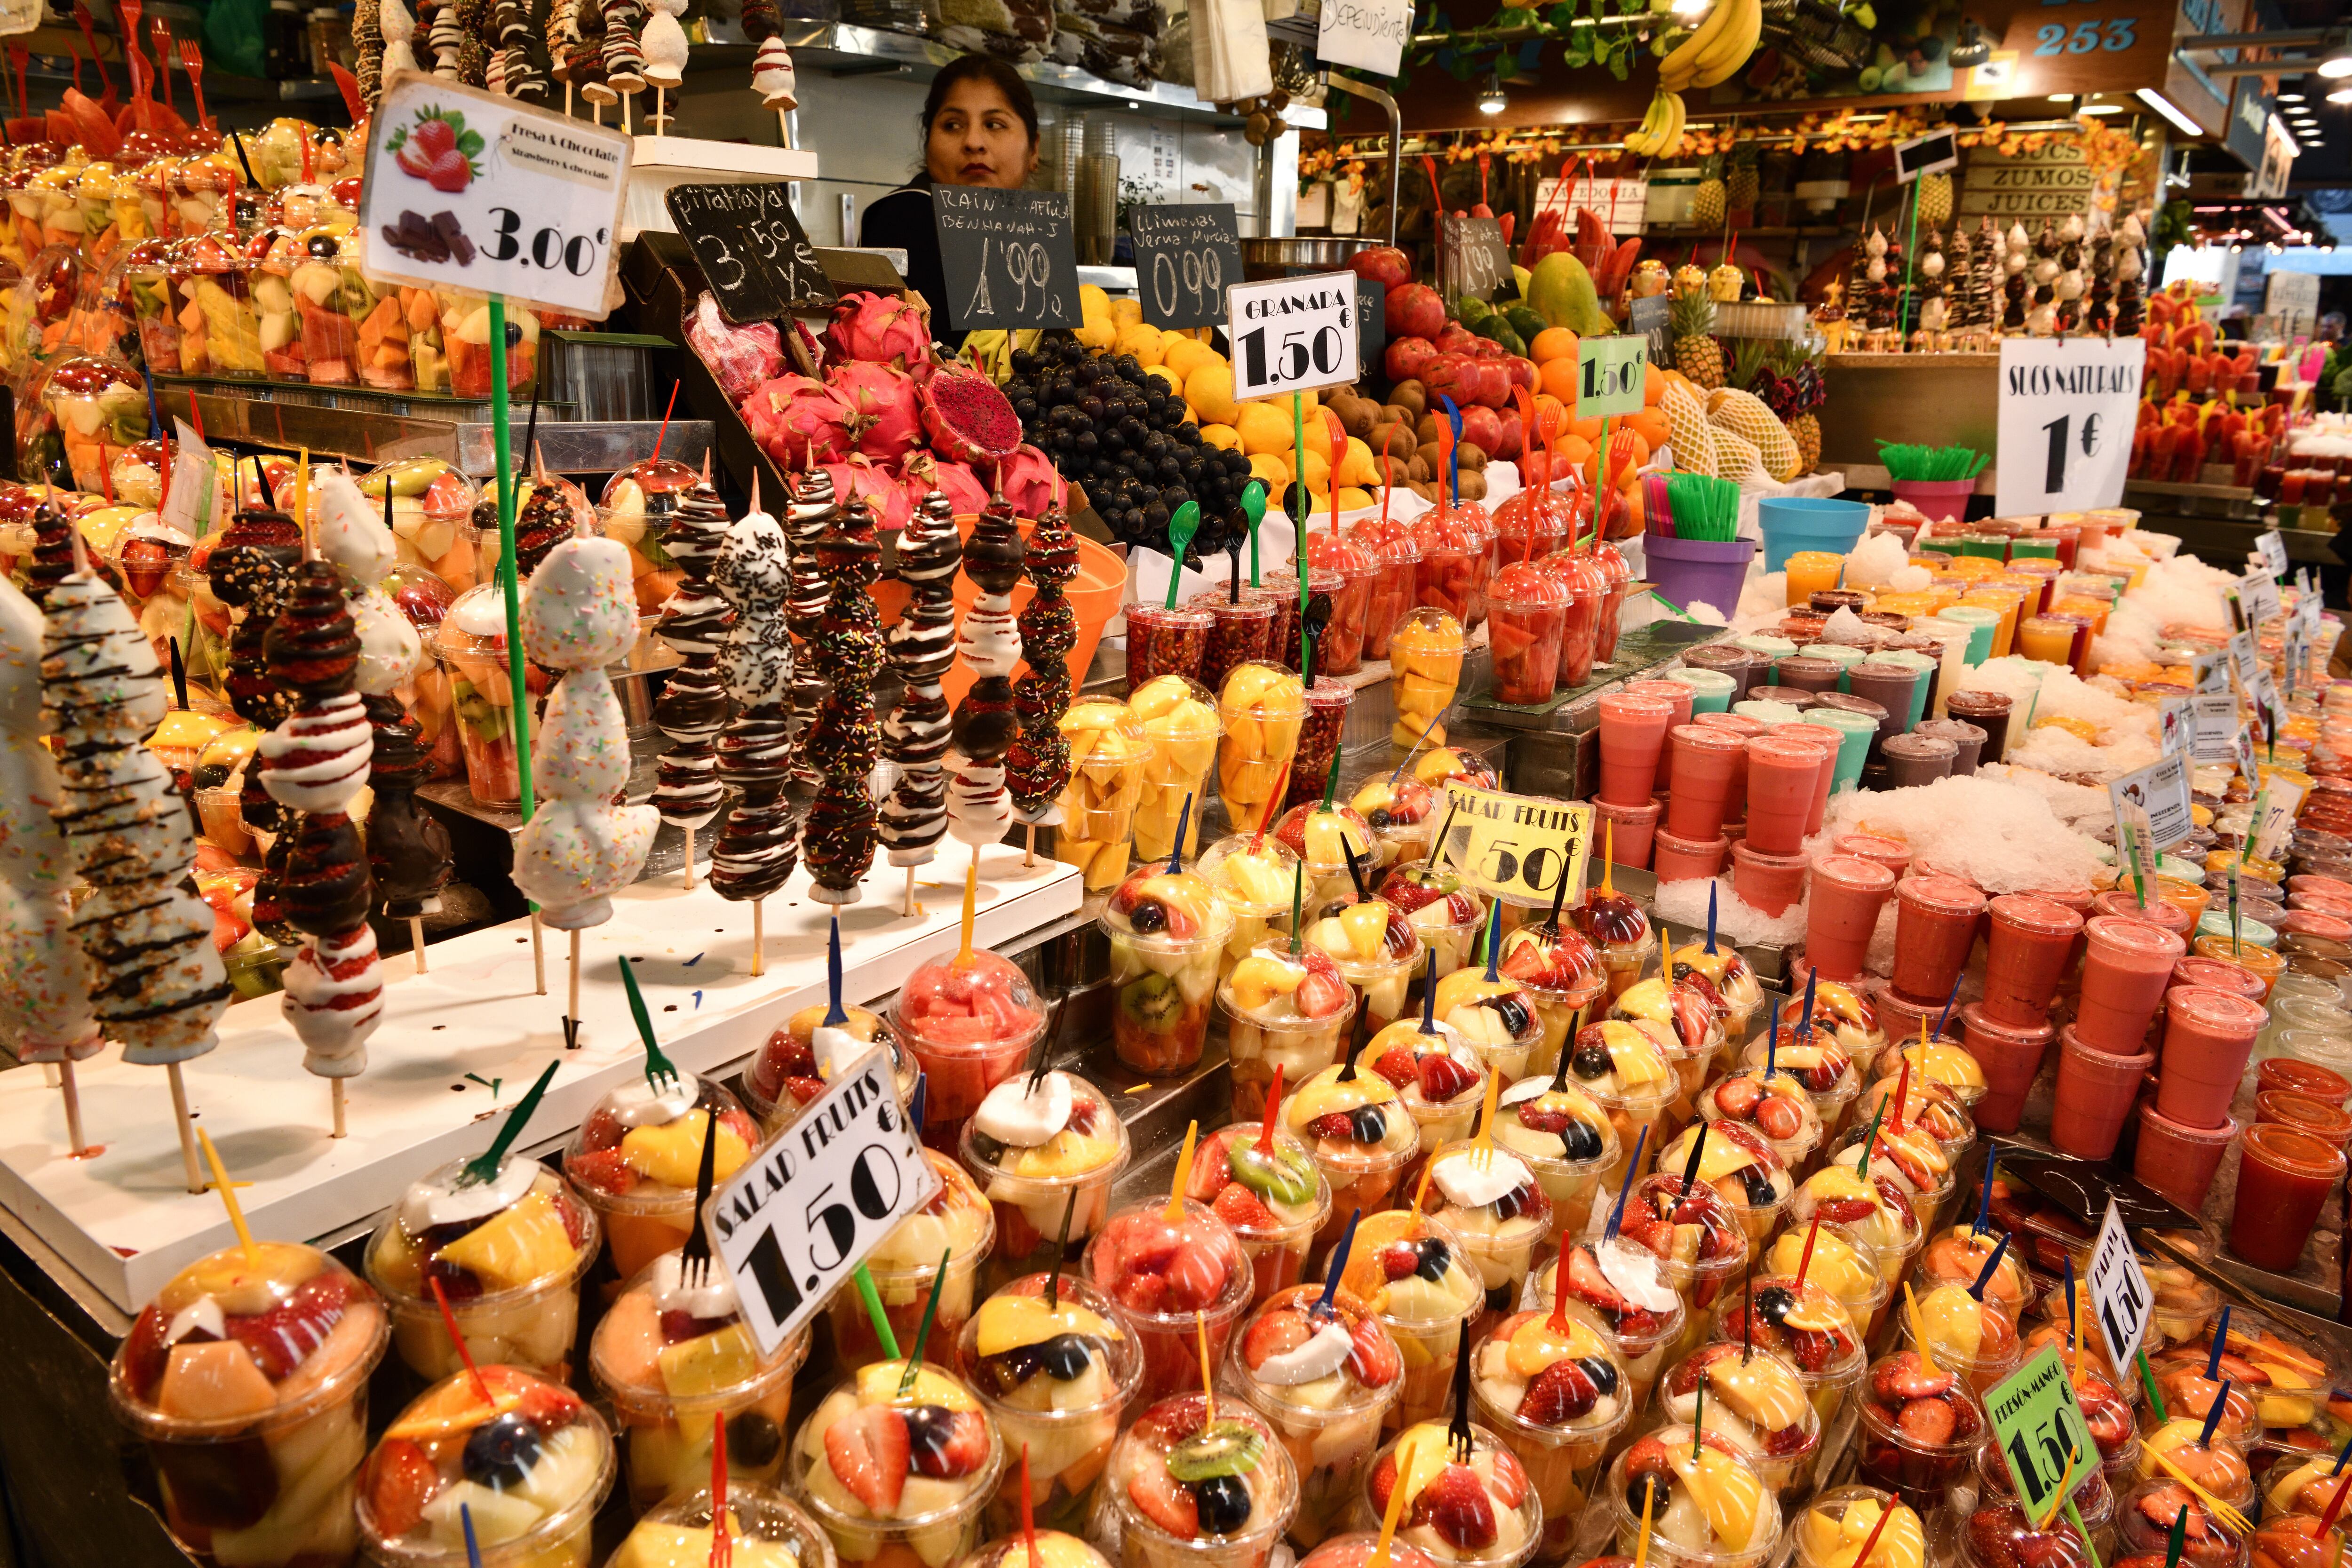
438 149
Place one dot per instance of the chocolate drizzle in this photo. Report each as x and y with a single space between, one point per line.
693 703
838 836
921 647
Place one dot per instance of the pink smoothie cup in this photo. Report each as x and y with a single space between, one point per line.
1703 761
1632 737
2121 903
2220 975
1826 742
1781 777
1678 859
2179 1161
2096 1090
1936 923
1771 882
2030 946
1891 853
1840 912
2302 1077
1676 695
2011 1055
1635 827
2208 1035
2127 964
2314 922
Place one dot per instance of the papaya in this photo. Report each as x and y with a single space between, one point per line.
1561 291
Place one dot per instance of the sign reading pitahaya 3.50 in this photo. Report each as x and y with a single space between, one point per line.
468 191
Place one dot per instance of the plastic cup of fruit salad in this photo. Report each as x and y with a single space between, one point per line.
1173 1278
1711 1511
1686 1029
1912 1156
636 1155
1843 1264
1752 1398
1378 951
1168 933
1356 1549
1777 1107
903 1476
789 1072
1496 1208
958 1222
1624 1287
508 1252
1438 1079
1496 1017
1037 1155
1056 1379
764 1529
1565 1138
1425 651
1322 1375
1841 1520
1184 1490
969 1027
675 1361
1361 1135
1441 905
1282 1010
1742 1169
1322 838
1253 877
1479 1510
1695 1238
531 1469
1270 1192
1263 706
1556 1394
1413 1273
1562 974
1623 1067
1403 813
1807 1324
255 1445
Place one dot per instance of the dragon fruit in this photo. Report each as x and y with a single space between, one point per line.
879 329
1027 478
859 476
969 421
739 357
922 473
882 403
799 422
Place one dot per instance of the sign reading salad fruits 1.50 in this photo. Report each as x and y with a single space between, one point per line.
1515 847
1291 334
465 190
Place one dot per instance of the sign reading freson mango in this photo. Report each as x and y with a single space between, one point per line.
1515 847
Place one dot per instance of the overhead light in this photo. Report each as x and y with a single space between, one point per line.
2341 95
1493 101
2164 106
2337 69
2290 98
2062 97
2101 109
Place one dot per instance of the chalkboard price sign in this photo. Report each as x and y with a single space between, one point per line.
1009 257
752 249
1476 258
1184 258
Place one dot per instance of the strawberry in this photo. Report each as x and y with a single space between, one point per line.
1928 1423
1274 1333
412 157
1383 1482
401 1480
947 1444
1443 1079
1901 1377
434 136
1375 1361
1586 1281
1457 1507
1396 1065
1844 1211
1166 1503
283 1338
1239 1207
575 1223
1332 1124
450 172
1511 1482
550 1406
803 1090
1323 993
868 1451
1399 1260
604 1170
1560 1392
144 1353
1788 1440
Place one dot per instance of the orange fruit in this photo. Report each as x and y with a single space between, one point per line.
1587 428
1576 451
1551 343
1650 424
1653 385
1558 376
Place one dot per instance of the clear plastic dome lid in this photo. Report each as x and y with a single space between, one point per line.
1323 838
983 1001
1252 874
1554 962
1155 905
644 1142
520 1229
528 1468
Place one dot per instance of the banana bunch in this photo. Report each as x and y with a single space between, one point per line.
1661 135
1711 57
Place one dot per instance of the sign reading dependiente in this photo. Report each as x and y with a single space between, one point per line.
1008 256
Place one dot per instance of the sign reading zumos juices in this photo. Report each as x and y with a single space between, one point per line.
2051 181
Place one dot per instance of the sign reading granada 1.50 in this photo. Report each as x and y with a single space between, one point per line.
467 190
1293 334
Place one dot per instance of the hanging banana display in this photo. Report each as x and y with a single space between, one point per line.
1660 133
1712 55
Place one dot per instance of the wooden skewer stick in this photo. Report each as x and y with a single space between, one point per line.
1030 859
785 128
187 1127
538 957
689 858
417 941
335 1098
909 908
72 1092
759 937
571 1008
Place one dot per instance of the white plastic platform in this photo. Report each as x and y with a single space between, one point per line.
658 162
125 1219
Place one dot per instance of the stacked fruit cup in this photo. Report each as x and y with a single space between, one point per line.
1264 707
1330 1424
1530 622
1328 701
1558 1395
1240 631
1177 1273
866 1500
971 1022
1411 1270
1287 1199
213 291
1341 650
1168 932
1180 724
1426 655
1067 1440
1108 758
1396 559
905 1264
1283 1012
1736 1526
1035 1193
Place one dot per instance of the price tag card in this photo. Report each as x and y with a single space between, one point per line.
2134 844
1473 256
2066 409
2120 1296
792 1224
2161 790
2172 726
2244 657
2274 549
749 243
1291 334
2282 798
2249 767
1609 373
1517 847
2258 594
2265 695
1648 319
471 190
1185 257
1008 256
1367 34
1372 321
2211 674
2040 1429
2213 727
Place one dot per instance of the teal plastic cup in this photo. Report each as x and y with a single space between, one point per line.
1711 689
1846 656
1768 648
1855 731
1980 623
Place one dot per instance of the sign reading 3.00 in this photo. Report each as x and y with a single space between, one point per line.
792 1224
1293 334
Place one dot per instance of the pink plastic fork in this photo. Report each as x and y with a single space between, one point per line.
162 33
192 59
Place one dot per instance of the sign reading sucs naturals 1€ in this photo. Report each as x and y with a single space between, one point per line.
465 190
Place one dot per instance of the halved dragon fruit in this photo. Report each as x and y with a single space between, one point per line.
969 421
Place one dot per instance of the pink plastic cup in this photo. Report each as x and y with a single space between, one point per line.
1702 763
2179 1161
2124 904
2220 975
2028 949
1636 824
1771 882
2096 1090
1826 743
2208 1035
1781 775
1632 737
2127 964
1935 920
1891 853
1678 695
1840 912
2317 923
1675 858
2011 1055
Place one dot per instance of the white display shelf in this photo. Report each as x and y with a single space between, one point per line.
658 162
124 1218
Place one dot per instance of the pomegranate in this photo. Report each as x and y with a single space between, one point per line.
1523 371
1407 358
1512 439
1494 382
1454 338
1414 310
1385 264
1452 375
1481 427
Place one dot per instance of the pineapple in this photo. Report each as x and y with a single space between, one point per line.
1712 200
1742 187
1805 429
1690 322
1935 200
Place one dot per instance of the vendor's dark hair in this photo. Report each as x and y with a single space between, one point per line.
981 67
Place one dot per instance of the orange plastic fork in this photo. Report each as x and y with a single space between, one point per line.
161 31
192 59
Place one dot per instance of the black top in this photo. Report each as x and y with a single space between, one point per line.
903 220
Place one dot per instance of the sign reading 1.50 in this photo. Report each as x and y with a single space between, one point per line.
1293 334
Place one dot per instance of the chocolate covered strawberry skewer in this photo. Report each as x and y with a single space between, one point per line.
693 703
920 647
978 810
837 837
1038 764
757 849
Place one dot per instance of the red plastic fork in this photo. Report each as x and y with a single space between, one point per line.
89 35
162 33
192 59
127 13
